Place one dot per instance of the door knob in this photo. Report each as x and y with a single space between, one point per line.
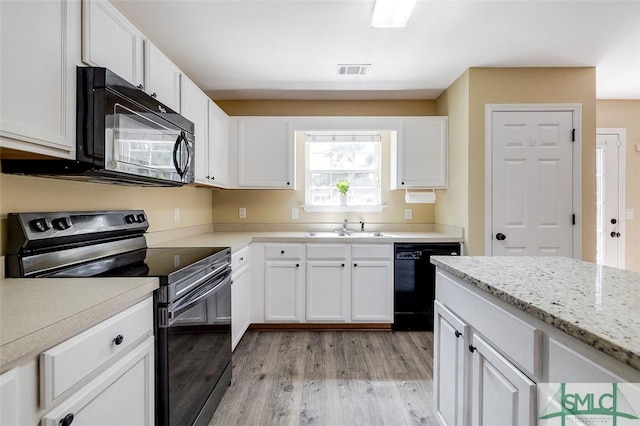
615 234
500 236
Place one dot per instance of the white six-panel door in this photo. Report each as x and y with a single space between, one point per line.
532 183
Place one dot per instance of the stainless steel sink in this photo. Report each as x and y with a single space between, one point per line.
347 234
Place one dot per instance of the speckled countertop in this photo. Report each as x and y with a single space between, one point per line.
36 314
595 304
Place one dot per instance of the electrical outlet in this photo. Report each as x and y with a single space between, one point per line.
630 214
408 214
176 215
294 214
242 212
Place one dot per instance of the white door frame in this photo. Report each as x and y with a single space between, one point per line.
622 186
576 110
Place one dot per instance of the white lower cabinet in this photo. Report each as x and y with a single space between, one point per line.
331 283
240 306
327 294
500 393
9 394
284 283
449 361
121 395
490 355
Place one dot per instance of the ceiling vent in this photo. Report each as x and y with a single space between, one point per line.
353 69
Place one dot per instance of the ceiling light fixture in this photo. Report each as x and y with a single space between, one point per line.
392 13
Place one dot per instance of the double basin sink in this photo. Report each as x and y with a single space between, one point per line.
349 234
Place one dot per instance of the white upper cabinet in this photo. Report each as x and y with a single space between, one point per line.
194 105
419 154
39 52
161 77
218 154
109 40
266 153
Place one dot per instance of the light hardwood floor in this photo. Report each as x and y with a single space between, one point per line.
330 378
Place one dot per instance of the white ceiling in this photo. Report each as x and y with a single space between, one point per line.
289 49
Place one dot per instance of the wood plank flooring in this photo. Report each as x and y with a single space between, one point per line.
330 378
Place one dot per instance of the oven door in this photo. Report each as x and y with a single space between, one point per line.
141 142
193 351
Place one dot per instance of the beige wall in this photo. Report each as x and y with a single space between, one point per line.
452 206
23 194
467 97
274 206
626 114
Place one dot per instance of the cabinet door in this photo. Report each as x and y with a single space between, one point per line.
372 291
122 395
449 378
500 393
161 77
419 155
39 52
218 146
9 394
194 106
240 306
328 292
266 153
110 40
283 291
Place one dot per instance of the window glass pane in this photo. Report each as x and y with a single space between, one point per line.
332 158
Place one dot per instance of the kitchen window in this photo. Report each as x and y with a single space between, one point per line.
333 157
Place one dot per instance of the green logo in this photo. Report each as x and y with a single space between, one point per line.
586 405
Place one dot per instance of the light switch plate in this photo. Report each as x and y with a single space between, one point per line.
176 214
242 212
294 214
408 214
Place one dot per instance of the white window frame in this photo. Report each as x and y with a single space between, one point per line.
309 207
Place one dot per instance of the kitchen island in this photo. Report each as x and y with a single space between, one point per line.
506 324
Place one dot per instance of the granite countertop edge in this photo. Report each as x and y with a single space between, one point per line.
599 342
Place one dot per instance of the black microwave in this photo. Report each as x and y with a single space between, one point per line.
123 136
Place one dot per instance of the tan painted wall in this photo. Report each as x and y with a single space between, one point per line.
23 194
530 85
626 114
274 206
452 207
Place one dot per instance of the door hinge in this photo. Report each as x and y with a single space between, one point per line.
573 219
573 135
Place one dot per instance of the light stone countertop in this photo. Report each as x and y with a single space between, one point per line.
595 304
239 240
36 314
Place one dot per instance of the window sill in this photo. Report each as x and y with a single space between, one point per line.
340 209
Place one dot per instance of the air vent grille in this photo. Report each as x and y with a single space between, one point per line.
353 69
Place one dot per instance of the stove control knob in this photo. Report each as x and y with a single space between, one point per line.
40 225
140 218
130 218
62 223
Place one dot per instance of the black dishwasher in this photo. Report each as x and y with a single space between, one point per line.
415 282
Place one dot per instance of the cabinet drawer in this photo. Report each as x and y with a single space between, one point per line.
327 251
283 251
240 260
519 341
65 365
371 251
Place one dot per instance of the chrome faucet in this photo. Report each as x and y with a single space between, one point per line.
344 225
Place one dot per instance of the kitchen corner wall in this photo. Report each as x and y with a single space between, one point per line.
31 194
274 206
481 86
626 114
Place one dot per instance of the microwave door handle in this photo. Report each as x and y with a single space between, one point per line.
183 308
175 154
188 160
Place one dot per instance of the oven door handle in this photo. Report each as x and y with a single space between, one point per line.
183 307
